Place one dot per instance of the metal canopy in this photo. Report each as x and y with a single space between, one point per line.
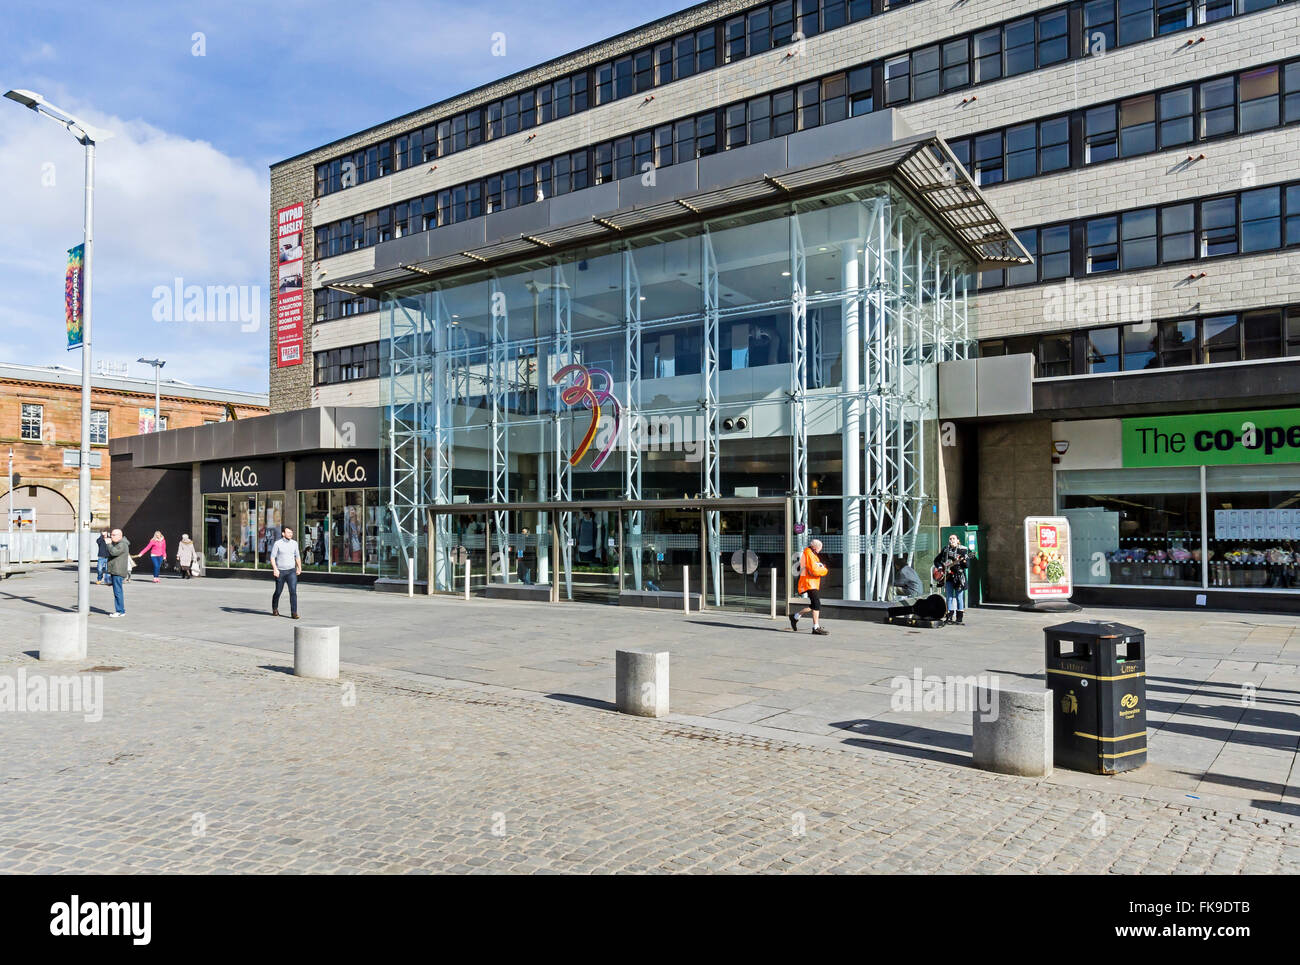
923 166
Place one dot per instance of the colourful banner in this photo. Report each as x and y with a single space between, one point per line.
73 288
1213 439
289 294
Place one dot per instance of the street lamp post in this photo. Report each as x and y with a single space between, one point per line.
86 136
157 399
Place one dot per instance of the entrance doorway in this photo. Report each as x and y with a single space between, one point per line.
604 551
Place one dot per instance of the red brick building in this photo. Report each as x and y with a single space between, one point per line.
40 420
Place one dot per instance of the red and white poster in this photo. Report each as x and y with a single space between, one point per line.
289 295
1047 558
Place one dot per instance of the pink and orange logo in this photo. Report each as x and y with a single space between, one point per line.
593 397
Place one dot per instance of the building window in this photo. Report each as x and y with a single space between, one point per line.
897 80
1222 339
1135 18
1018 44
1219 227
1176 126
925 73
1261 219
32 417
99 427
1178 343
1137 126
352 363
1054 252
1293 215
1291 81
1259 100
1100 143
1102 251
1218 106
1138 239
1177 233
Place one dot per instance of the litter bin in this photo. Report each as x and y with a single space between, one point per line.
1097 674
971 537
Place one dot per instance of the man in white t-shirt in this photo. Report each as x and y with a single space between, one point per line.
286 564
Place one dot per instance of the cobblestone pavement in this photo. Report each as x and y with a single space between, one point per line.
1223 708
210 758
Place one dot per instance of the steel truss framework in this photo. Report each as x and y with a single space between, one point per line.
909 299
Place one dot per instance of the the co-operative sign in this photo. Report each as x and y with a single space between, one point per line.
1213 439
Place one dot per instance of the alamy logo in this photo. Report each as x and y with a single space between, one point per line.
238 478
935 694
68 694
117 918
336 472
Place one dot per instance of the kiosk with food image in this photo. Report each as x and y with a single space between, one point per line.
1049 580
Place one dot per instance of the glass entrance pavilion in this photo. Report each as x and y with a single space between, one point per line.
597 408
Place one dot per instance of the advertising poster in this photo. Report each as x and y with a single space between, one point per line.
289 293
73 287
146 421
1047 558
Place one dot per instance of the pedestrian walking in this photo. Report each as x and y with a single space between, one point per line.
119 567
811 571
953 562
286 564
101 564
156 549
186 556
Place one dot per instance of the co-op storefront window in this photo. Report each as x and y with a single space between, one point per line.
243 512
339 512
1201 501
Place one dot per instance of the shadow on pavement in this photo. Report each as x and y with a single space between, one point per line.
247 609
883 735
581 701
275 669
753 627
48 606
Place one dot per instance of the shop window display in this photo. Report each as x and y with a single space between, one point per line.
1142 526
1255 526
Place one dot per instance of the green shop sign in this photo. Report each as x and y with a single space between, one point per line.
1213 439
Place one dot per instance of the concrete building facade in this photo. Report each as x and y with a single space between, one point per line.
1141 150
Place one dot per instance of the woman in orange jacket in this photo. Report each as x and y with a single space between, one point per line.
811 571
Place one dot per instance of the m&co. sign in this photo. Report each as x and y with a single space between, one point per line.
338 470
1212 439
244 476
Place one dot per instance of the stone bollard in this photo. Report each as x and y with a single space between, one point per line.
641 682
1019 739
316 652
62 637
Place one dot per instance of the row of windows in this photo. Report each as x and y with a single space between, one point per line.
1006 50
1268 96
1205 340
1247 222
1241 103
32 419
351 363
331 304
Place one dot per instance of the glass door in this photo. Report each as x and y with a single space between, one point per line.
346 542
243 530
216 527
751 560
314 540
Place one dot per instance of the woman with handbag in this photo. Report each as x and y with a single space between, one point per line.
950 567
186 555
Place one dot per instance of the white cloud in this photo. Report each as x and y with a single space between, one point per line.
166 207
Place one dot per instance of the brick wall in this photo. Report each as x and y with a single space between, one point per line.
41 463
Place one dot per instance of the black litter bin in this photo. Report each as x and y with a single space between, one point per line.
1097 675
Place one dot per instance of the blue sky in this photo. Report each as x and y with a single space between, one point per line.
182 186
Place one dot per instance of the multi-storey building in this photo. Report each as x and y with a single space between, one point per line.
654 207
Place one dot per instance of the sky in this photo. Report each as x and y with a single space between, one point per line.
200 99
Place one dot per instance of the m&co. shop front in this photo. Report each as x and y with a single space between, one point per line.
315 470
1186 510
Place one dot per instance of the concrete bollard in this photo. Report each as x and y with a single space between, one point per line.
316 652
641 682
62 637
1019 739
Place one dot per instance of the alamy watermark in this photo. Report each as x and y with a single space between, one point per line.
37 693
948 694
180 302
1085 304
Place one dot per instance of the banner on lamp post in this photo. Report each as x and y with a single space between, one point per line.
73 287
